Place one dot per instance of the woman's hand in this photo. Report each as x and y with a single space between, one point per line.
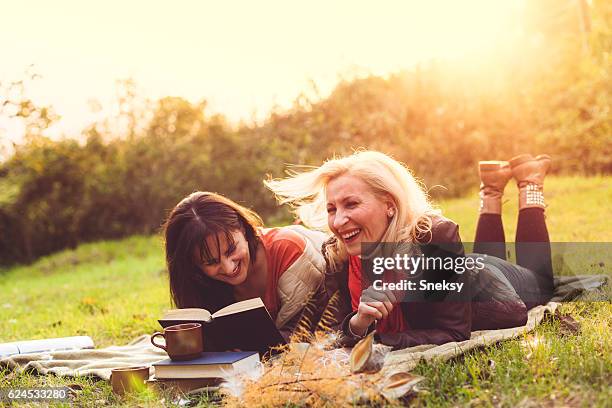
374 305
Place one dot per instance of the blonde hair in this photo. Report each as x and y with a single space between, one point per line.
305 192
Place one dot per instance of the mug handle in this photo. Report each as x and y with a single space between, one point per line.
158 345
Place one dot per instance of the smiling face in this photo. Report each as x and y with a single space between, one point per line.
355 214
228 260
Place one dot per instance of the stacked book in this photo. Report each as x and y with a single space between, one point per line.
244 325
205 372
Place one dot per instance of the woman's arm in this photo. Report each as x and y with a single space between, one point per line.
434 322
441 322
437 321
496 314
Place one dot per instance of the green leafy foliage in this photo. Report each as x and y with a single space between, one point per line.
547 93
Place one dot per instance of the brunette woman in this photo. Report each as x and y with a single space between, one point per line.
218 253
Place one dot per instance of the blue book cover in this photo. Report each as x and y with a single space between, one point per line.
210 358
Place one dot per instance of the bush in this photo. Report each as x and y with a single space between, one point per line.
439 118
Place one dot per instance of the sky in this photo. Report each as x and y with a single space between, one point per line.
243 57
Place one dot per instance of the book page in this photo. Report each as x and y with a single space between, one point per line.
193 313
8 349
63 343
46 345
239 307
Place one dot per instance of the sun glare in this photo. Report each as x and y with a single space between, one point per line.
460 28
242 57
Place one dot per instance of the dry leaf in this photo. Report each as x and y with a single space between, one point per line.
361 353
74 389
399 385
568 325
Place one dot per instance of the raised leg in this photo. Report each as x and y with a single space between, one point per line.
533 250
490 238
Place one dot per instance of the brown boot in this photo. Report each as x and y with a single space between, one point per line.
529 173
494 176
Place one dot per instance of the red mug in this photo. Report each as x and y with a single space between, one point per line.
183 341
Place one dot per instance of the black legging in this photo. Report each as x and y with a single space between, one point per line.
534 273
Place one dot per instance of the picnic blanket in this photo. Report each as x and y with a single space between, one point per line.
88 362
100 362
406 359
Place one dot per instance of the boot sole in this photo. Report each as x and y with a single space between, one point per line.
492 165
520 159
524 158
543 157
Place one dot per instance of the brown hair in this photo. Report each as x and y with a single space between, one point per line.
196 217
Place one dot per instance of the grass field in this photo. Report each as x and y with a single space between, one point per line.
114 291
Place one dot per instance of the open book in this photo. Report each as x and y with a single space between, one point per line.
245 325
46 345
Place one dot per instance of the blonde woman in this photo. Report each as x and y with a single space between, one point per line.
368 197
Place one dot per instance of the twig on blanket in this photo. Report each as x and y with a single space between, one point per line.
318 394
303 380
295 389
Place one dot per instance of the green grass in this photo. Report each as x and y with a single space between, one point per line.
578 210
113 291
